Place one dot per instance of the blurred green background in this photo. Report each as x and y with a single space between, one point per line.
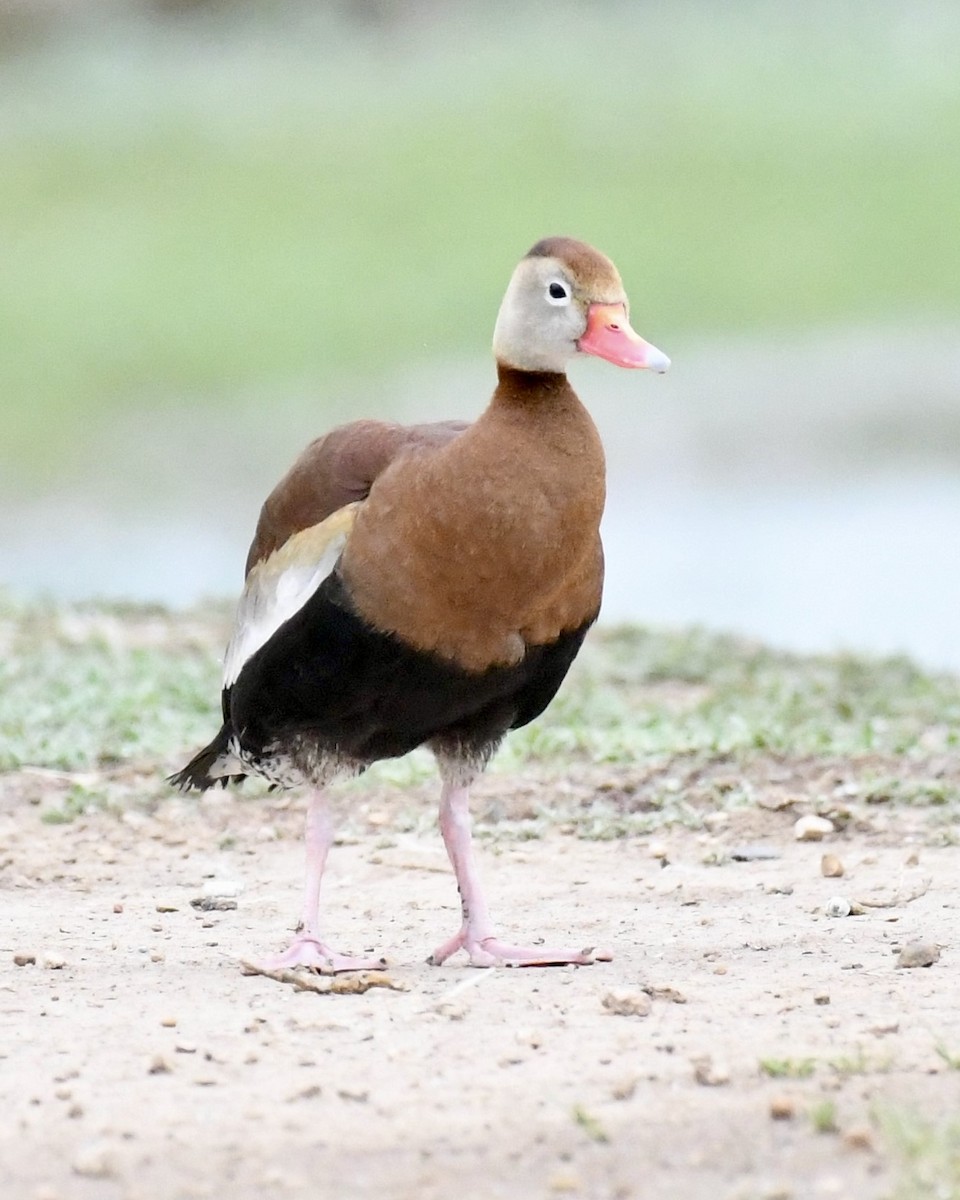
278 210
199 201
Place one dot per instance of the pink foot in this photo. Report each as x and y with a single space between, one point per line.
490 952
306 950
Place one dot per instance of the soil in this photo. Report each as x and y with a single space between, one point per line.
138 1061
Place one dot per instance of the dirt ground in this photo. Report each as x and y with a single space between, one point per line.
138 1062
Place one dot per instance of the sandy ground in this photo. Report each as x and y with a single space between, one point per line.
137 1061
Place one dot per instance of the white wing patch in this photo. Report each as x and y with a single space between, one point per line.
280 585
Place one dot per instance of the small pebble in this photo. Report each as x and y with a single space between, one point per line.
159 1065
776 801
168 1022
822 998
213 903
564 1181
716 820
783 1108
95 1160
452 1010
186 1047
53 962
831 867
858 1137
837 906
529 1037
812 828
708 1073
884 1029
623 1003
24 960
913 859
118 908
624 1090
665 992
918 954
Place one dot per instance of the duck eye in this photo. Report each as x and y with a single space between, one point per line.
558 293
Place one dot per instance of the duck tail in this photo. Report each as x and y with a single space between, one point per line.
214 764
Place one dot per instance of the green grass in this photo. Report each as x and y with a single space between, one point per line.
788 1068
87 688
823 1116
194 211
926 1154
670 725
735 698
950 1057
590 1125
859 1062
845 1066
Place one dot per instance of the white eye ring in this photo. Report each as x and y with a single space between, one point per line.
558 294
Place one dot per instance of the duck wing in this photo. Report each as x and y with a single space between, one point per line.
336 470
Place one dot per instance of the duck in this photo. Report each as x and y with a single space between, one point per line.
430 585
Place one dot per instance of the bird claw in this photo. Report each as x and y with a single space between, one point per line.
490 952
309 951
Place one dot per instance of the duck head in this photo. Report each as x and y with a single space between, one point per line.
566 298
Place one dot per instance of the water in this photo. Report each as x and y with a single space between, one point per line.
873 564
806 494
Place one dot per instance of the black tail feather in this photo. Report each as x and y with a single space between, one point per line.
200 772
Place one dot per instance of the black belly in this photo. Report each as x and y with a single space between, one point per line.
330 679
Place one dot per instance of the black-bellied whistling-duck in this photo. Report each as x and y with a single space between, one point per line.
430 585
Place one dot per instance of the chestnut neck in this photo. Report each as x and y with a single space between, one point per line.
530 388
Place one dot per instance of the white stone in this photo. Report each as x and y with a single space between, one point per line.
812 828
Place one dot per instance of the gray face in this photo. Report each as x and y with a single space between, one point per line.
543 315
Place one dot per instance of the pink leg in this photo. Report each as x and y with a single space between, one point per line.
476 934
308 949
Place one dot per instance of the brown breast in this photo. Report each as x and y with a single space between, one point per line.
491 542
